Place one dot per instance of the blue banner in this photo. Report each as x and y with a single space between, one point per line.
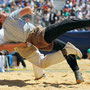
81 39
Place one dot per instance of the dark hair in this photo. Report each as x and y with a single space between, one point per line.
6 52
0 53
0 25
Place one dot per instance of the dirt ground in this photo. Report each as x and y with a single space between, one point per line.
60 77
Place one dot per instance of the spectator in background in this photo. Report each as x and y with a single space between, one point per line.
13 6
46 18
10 55
67 4
72 14
38 17
2 2
79 14
52 17
57 12
80 9
17 2
49 3
31 3
38 72
84 11
38 5
6 9
66 13
0 8
20 59
88 53
88 9
74 2
52 3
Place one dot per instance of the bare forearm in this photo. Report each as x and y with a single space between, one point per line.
10 46
26 10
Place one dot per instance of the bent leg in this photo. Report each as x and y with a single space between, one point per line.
59 45
67 48
55 30
48 60
71 60
34 56
51 59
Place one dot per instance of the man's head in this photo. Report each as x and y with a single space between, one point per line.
2 18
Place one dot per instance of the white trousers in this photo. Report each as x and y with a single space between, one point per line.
33 55
2 62
38 71
42 61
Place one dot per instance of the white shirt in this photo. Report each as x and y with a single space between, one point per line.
16 29
1 36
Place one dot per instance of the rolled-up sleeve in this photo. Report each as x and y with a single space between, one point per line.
16 14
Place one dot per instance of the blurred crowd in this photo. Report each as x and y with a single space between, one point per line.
45 13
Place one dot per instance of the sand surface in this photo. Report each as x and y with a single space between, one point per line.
60 77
